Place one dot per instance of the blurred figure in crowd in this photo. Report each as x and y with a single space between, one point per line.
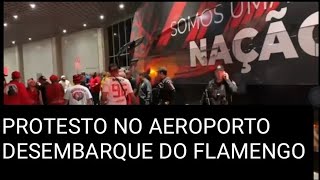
15 92
122 74
78 94
220 89
85 78
148 74
132 81
88 77
117 90
4 80
33 92
166 88
145 90
155 90
105 76
95 88
122 69
43 83
65 83
55 92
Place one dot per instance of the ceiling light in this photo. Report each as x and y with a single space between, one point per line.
114 34
121 6
15 16
84 25
5 24
32 5
101 17
30 39
64 31
13 42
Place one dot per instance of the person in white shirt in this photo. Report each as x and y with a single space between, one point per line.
117 90
78 94
65 83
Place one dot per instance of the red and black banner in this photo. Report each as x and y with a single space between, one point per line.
269 43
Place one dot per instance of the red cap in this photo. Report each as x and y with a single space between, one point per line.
54 78
77 78
16 75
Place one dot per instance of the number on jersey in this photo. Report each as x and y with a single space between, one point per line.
117 90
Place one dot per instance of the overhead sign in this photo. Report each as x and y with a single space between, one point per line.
259 42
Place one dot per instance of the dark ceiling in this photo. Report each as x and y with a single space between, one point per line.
48 19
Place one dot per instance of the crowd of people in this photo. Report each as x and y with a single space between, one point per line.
115 87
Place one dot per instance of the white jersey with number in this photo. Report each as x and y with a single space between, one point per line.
78 95
115 94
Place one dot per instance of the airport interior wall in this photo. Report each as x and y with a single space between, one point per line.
38 59
58 55
84 45
11 61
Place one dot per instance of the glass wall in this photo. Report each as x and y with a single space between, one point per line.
118 36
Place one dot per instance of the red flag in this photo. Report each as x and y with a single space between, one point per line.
5 71
77 64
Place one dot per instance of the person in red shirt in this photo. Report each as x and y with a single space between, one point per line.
55 92
15 92
95 82
33 92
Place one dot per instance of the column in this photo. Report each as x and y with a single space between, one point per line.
101 50
19 57
56 55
